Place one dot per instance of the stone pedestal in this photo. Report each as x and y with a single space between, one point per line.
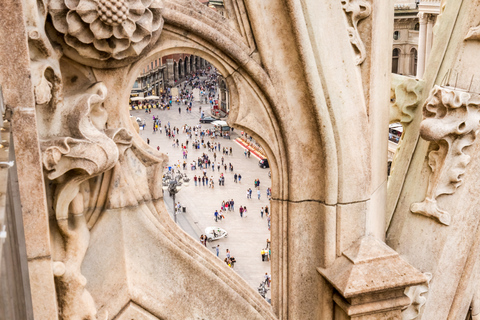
370 279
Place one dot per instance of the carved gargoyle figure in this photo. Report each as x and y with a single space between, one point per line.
357 10
451 122
90 150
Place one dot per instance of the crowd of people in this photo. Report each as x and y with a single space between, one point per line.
203 154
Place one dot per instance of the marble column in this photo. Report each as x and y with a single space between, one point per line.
428 44
422 39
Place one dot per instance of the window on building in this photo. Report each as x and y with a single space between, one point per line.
417 27
156 63
395 57
396 35
413 61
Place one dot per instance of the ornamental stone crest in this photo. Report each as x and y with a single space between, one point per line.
107 29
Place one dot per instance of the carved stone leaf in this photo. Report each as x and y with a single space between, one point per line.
452 120
405 97
418 298
357 10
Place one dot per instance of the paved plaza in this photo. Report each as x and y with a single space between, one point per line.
246 236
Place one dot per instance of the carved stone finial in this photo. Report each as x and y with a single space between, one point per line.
357 10
106 29
452 120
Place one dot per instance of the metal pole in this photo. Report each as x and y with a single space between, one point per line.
174 208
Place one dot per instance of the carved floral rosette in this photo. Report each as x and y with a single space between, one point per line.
451 122
106 29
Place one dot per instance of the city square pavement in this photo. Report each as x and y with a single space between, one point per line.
246 236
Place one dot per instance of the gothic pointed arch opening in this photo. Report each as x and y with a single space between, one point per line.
219 90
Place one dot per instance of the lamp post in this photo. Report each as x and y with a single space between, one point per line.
173 183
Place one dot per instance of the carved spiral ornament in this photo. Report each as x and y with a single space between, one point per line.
105 29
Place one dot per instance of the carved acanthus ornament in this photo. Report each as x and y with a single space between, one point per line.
106 29
452 120
418 298
357 10
405 95
89 150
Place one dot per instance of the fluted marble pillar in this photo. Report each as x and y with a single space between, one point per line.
422 39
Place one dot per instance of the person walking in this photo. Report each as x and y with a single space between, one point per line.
261 213
245 211
258 194
248 194
262 253
218 249
232 205
241 212
216 217
235 178
239 178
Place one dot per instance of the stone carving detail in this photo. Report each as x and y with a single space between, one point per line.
473 33
357 10
452 119
107 29
89 151
417 295
405 95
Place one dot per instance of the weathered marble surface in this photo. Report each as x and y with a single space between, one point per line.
309 78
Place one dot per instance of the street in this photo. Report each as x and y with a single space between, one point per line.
247 236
